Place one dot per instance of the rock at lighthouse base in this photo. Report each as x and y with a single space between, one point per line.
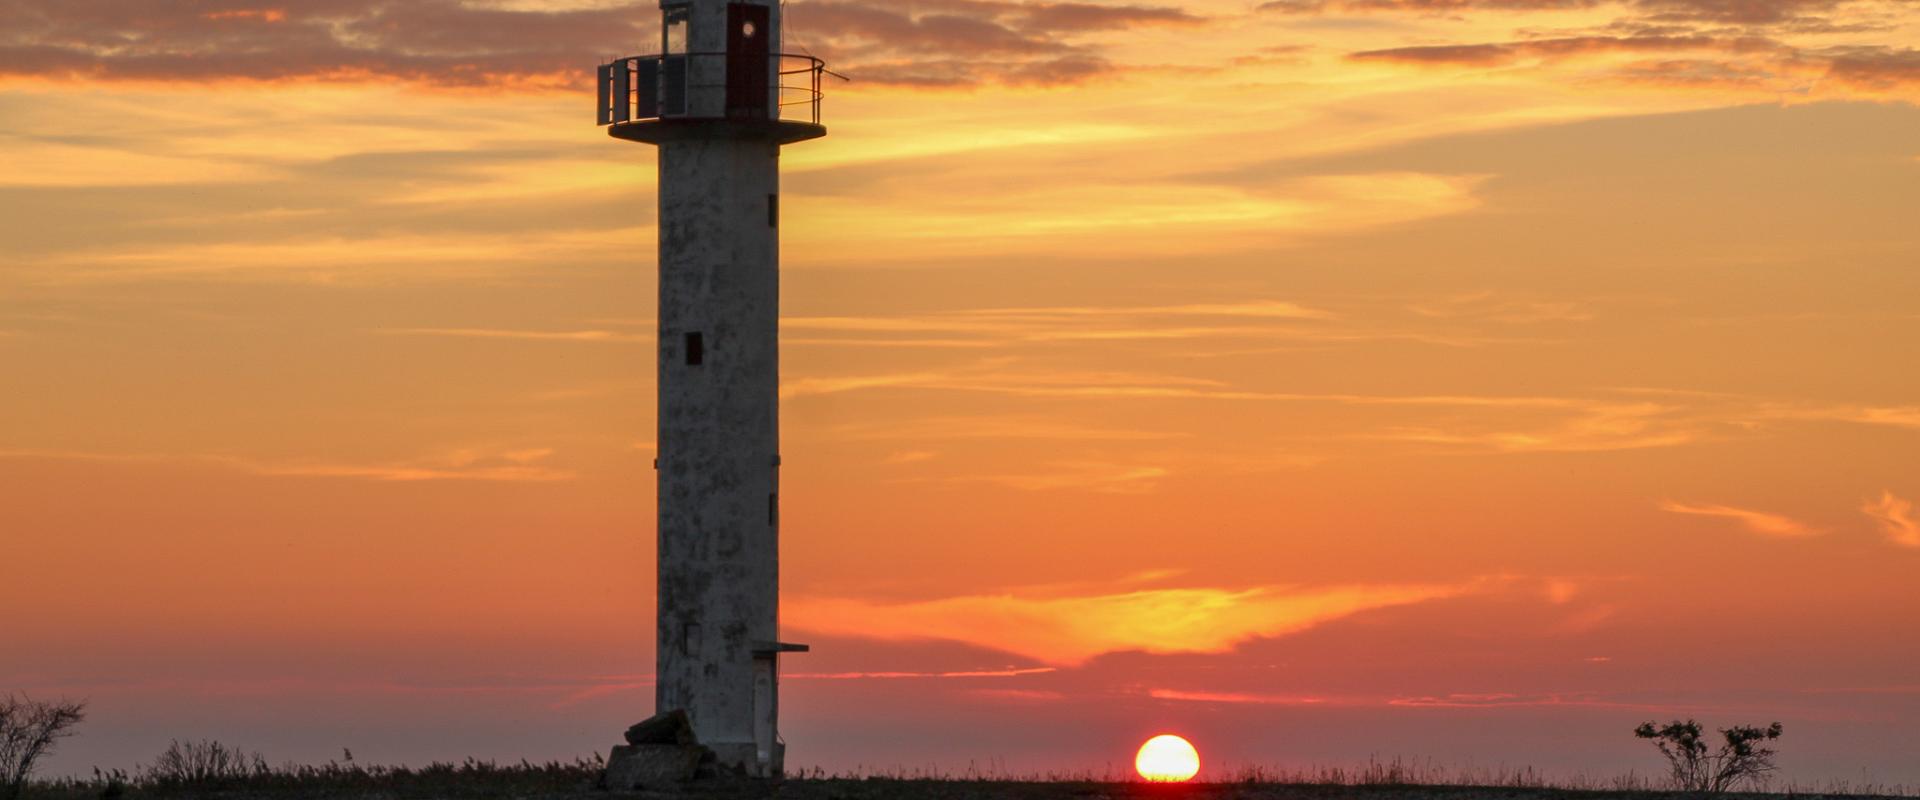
658 751
672 727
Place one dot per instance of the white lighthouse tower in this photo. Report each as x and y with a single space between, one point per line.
719 101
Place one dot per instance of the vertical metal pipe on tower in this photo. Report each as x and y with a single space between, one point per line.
713 103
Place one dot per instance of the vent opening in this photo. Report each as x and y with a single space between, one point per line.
696 349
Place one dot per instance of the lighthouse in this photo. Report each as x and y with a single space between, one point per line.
718 102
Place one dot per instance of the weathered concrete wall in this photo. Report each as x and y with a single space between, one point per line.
718 435
719 431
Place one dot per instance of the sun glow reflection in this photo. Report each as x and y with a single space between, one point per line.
1167 759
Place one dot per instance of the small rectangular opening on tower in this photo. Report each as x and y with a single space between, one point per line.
773 508
696 349
773 211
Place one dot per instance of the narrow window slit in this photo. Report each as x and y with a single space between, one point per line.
696 350
773 211
773 508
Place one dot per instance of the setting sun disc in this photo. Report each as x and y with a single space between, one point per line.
1167 759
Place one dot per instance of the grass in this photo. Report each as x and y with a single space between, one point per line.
1396 779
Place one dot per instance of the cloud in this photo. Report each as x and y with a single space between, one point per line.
1591 427
1501 54
1876 67
957 43
440 42
1487 306
1238 698
1754 46
992 376
1742 12
1486 700
995 327
1760 523
517 465
1016 426
535 336
456 43
1507 699
1416 6
1097 476
1069 630
1890 416
1896 519
1011 672
405 473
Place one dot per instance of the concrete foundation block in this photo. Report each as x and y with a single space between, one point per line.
633 766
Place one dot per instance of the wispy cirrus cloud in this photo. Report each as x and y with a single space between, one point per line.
1240 698
996 376
1098 476
1066 630
1896 519
1891 416
1005 426
1483 700
999 327
522 335
1760 523
1596 426
1492 307
1503 53
1515 699
1011 672
495 465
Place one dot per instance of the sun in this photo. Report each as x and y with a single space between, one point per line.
1167 759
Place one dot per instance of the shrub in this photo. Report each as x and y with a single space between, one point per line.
1743 758
29 730
203 764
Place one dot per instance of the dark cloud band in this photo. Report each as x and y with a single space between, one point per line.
451 43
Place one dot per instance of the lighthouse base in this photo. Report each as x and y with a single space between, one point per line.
633 766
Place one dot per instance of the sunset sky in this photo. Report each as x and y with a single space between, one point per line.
1464 380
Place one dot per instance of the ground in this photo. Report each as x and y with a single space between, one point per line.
888 789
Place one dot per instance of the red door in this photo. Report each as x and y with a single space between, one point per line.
749 80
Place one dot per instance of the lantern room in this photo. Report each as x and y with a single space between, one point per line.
719 62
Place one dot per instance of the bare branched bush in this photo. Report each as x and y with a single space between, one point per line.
28 731
203 764
1742 758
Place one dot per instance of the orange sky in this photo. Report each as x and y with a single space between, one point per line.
1457 379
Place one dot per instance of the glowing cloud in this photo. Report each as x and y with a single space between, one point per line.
1071 630
1758 522
1896 519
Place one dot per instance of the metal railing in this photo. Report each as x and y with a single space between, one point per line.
639 88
